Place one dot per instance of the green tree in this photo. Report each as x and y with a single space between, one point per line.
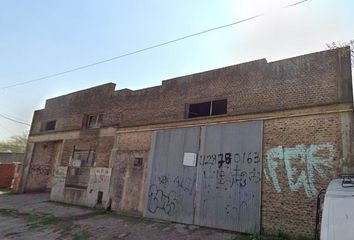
15 143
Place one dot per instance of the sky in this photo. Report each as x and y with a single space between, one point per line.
40 37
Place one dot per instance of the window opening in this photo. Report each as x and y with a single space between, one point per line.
94 121
210 108
50 125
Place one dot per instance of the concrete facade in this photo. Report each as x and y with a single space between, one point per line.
98 152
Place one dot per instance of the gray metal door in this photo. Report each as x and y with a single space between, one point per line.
222 191
229 177
171 185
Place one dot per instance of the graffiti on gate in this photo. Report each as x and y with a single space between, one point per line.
315 158
229 170
161 199
165 192
187 184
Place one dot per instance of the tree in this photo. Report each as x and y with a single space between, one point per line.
335 45
15 143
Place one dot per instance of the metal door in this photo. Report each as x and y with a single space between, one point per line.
222 191
229 177
171 185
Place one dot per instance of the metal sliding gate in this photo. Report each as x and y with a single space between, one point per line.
208 176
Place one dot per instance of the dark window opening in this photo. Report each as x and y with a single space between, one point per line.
50 125
204 109
99 197
219 107
93 121
199 110
138 162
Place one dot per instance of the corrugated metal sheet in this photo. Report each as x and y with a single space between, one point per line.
223 191
171 186
229 177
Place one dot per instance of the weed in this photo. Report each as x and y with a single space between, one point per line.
5 191
43 221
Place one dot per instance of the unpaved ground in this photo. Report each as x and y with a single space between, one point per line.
32 216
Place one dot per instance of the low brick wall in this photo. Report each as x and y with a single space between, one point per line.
6 175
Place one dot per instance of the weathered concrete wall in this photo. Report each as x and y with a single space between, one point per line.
7 172
44 158
129 181
99 181
58 183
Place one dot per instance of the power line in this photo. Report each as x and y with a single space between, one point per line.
143 49
14 120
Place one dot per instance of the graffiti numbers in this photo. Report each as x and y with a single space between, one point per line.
228 158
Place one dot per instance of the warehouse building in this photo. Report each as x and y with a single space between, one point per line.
243 148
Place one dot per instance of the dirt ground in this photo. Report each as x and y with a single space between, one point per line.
32 216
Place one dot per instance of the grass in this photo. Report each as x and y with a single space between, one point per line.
5 191
38 222
43 221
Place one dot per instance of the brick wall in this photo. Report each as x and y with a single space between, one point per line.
6 175
315 79
302 151
301 155
102 147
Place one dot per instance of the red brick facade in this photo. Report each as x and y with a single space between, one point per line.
7 172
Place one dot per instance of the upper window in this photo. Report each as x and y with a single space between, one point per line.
210 108
93 121
50 125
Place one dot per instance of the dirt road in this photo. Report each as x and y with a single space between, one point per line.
32 216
